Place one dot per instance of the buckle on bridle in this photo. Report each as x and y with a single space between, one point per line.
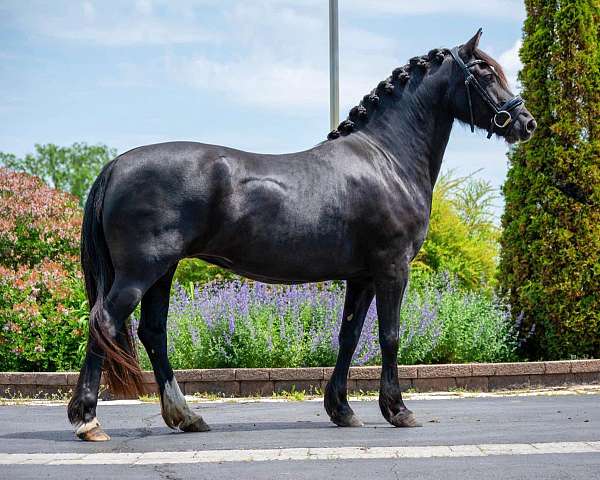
502 119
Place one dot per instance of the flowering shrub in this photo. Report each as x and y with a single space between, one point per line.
42 302
256 325
36 222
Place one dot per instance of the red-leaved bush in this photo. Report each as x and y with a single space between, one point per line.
43 314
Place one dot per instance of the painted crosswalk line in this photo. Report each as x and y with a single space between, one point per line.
332 453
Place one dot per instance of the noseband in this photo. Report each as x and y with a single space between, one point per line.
504 114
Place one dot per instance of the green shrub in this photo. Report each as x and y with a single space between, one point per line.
194 271
462 238
43 314
550 262
43 318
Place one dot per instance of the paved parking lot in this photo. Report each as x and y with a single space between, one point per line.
491 437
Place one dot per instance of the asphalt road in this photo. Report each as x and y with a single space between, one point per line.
543 437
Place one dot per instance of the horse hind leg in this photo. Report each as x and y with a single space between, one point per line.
120 302
82 406
153 335
358 299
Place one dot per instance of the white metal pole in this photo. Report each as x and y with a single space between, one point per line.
334 66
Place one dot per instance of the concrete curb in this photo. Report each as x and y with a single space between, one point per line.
265 381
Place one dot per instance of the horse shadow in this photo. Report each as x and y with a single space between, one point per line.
159 431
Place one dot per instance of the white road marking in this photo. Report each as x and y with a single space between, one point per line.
333 453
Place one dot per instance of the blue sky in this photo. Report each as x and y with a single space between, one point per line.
248 74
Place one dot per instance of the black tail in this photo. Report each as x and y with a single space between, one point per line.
121 367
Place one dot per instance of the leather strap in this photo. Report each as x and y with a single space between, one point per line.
506 108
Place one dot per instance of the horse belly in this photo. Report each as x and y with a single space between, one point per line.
286 248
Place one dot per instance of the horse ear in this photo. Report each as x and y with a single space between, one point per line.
469 47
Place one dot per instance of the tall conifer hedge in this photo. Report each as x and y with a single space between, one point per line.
550 258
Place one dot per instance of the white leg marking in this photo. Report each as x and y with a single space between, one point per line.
174 408
86 427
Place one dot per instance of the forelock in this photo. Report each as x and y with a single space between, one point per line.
481 55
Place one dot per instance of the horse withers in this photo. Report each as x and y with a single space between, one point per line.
355 207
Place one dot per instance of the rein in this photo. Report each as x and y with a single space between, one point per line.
503 118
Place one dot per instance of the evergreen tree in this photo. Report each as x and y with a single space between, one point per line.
550 258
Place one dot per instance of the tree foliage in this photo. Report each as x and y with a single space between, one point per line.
550 260
462 237
71 169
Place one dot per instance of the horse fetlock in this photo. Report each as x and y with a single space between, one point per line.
332 398
81 409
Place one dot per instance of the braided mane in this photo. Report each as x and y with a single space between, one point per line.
360 115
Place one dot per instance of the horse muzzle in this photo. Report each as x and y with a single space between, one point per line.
523 128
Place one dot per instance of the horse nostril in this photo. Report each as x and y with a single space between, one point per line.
531 125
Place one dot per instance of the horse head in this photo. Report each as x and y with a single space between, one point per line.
479 95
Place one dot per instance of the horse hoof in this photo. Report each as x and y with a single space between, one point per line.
405 420
347 421
96 434
198 425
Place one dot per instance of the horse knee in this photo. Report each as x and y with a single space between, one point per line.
389 342
145 335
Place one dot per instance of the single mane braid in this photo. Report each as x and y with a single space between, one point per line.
391 88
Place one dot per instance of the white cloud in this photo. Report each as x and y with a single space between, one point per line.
489 8
286 65
114 24
146 32
253 81
144 7
89 11
511 63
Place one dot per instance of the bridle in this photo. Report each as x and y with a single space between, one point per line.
504 117
504 114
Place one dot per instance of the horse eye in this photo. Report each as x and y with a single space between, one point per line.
488 78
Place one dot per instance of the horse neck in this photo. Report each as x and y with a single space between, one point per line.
414 129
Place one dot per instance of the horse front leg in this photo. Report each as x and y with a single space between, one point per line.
389 291
359 295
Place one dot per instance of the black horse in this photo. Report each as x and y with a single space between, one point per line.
355 207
